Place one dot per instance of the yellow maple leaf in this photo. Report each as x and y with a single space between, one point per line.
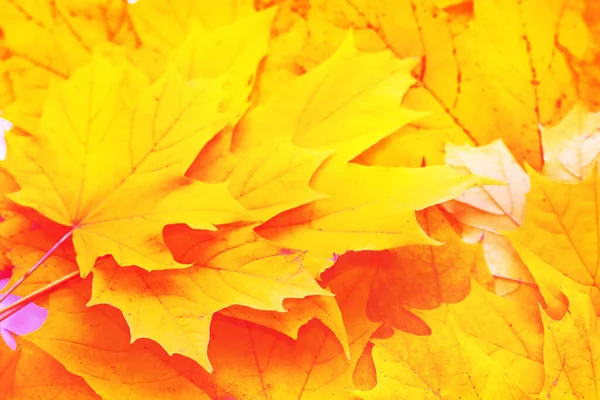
367 208
347 104
558 230
177 18
231 52
571 351
29 237
446 365
47 41
67 172
175 308
508 332
271 179
477 83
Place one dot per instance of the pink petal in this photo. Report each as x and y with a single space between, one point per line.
28 319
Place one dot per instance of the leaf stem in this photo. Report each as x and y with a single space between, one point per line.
36 265
6 312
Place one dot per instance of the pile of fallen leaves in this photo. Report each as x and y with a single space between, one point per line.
300 199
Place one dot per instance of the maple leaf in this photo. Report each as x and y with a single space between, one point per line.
571 350
100 352
271 179
298 312
558 231
175 308
464 45
415 276
315 113
489 207
482 344
28 240
367 208
484 211
47 41
301 110
509 332
253 362
571 146
177 19
31 373
438 366
232 52
82 127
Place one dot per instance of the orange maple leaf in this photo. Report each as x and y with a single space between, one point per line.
229 153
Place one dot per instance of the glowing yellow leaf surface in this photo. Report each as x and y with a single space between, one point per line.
348 103
275 178
572 351
487 70
367 208
233 51
446 364
509 332
175 308
114 175
561 228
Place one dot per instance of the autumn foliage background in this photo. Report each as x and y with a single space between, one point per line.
309 199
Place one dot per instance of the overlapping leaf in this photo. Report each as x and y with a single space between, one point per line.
349 103
120 208
175 308
561 228
438 366
252 362
571 351
571 147
227 138
33 373
479 84
138 371
489 207
367 208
